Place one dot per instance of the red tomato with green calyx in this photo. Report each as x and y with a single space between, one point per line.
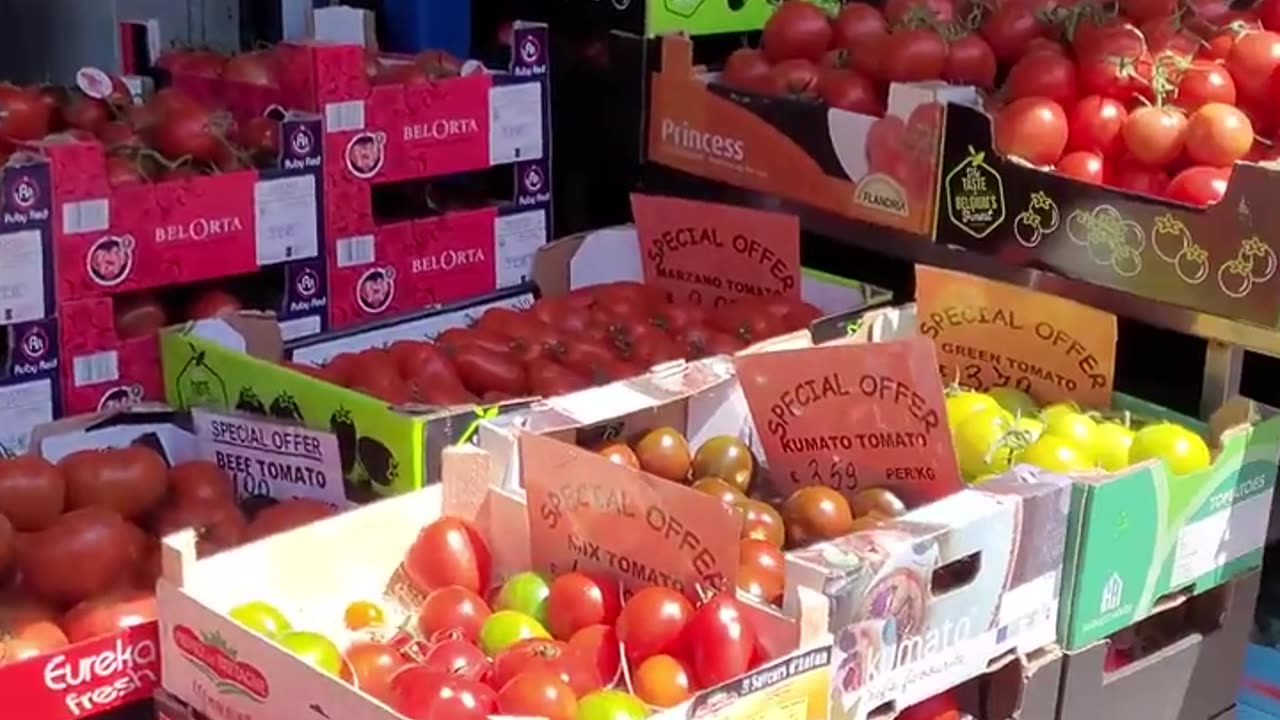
1034 129
1155 136
796 30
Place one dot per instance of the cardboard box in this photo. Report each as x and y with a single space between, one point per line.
219 667
1197 676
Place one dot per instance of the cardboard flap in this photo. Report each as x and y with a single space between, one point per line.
677 56
250 331
1235 415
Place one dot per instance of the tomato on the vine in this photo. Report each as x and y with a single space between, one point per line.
1155 135
1199 186
1010 29
850 90
970 61
746 69
855 24
1116 75
1253 57
940 11
1043 75
1168 34
796 77
1219 135
1082 165
913 55
1202 83
796 30
1220 37
1094 124
1034 129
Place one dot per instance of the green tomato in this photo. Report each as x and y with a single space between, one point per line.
261 618
1058 408
1032 427
505 628
526 593
611 705
314 649
963 403
1181 450
1111 443
1055 454
979 442
1015 401
1076 428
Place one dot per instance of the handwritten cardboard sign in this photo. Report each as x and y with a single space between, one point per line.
853 416
989 334
272 459
589 513
708 254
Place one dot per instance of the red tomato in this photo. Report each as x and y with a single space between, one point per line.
939 707
482 370
1251 61
792 78
796 30
24 115
575 669
599 645
1204 82
260 136
1155 136
865 58
1010 28
720 640
1138 178
449 551
188 131
1221 38
1200 186
1219 135
420 693
702 341
1034 129
1095 123
676 318
251 68
82 113
452 607
913 55
386 387
457 338
746 69
850 90
1043 75
212 303
942 11
415 357
373 664
970 61
457 657
855 24
122 170
1168 34
1269 14
1114 75
580 599
652 622
1142 10
108 613
1082 165
1107 35
27 629
548 378
538 693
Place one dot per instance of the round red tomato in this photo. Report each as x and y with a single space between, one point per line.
538 693
1043 75
1219 38
1138 178
850 90
452 607
457 657
373 664
913 55
796 30
652 622
420 693
1011 28
745 69
939 707
575 669
449 551
720 639
941 11
1082 165
855 24
1202 83
1155 136
1200 186
793 78
598 644
1034 129
1116 76
970 61
1141 10
1251 61
1219 135
1269 14
108 613
25 116
1169 35
1095 124
580 599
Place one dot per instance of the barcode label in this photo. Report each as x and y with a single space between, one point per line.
96 368
354 251
344 116
86 216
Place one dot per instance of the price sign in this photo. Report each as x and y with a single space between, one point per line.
708 254
589 513
852 417
989 334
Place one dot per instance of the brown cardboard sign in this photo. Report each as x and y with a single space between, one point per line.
586 512
989 334
853 416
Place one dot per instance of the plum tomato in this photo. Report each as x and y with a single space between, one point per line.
913 55
1202 83
720 640
373 664
1033 128
458 657
970 61
452 607
538 693
1155 136
580 599
850 90
1010 30
449 551
482 370
664 452
598 644
1082 165
855 24
652 622
1043 75
420 693
1200 185
745 69
1095 124
573 667
1218 134
1252 59
796 30
1115 75
662 681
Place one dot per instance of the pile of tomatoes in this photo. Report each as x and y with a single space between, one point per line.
169 136
562 344
79 554
263 68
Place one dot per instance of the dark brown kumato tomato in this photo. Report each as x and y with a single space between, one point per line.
664 452
718 488
130 480
761 522
620 454
727 458
33 492
816 513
